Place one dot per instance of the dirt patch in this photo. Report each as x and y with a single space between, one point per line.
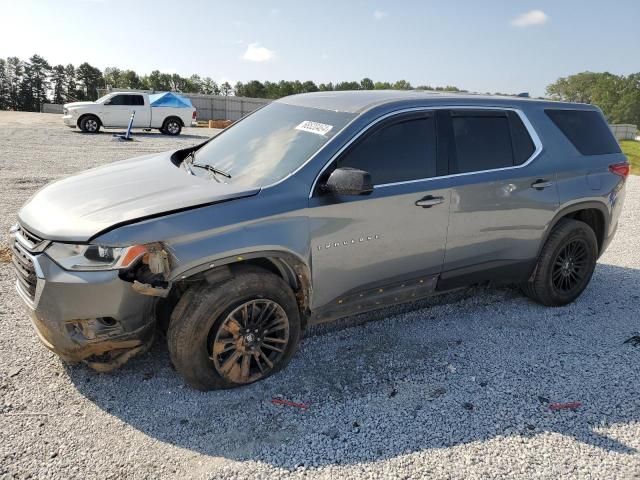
5 254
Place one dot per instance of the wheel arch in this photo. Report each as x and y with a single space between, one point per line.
88 114
288 266
172 117
593 213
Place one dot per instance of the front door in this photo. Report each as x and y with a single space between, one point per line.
375 249
118 109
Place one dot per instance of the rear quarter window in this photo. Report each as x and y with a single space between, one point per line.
586 130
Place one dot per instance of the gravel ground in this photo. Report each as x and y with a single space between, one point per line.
456 387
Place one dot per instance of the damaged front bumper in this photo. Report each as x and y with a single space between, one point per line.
94 316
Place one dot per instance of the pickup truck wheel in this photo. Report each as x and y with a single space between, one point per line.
565 265
171 126
236 332
90 124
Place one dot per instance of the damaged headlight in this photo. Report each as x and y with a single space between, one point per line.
94 257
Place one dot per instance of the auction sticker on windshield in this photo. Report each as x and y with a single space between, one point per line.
314 127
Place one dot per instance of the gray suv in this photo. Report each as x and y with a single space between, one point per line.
315 207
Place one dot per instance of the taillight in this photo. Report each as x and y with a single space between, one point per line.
194 115
621 169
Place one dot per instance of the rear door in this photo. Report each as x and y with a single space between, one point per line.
503 195
365 246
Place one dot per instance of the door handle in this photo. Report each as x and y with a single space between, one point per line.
429 201
541 184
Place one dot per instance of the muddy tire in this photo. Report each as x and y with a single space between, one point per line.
90 124
234 333
565 265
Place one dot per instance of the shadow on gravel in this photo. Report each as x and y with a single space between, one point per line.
471 367
154 134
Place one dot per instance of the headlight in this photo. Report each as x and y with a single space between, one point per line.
94 257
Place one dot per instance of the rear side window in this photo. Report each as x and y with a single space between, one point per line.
483 141
402 150
136 100
523 146
586 130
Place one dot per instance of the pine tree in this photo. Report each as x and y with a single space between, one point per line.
39 71
14 71
70 83
4 85
58 78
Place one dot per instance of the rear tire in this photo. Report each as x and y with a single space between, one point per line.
171 126
236 332
565 265
90 124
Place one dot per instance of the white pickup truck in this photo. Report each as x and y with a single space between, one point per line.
167 112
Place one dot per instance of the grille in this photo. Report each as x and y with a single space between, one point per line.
32 242
25 270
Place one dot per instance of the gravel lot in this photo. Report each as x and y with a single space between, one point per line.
456 387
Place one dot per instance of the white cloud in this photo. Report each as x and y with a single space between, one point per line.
256 53
324 56
534 17
379 14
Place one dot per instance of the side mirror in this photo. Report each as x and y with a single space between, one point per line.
348 181
108 102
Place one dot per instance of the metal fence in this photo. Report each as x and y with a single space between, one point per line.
624 131
51 108
217 107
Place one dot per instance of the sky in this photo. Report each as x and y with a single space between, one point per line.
508 46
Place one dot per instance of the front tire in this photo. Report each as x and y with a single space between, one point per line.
171 126
565 265
90 124
236 332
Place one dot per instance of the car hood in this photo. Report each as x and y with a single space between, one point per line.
77 104
77 208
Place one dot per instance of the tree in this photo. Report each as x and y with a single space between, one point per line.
382 86
209 87
402 85
70 86
158 81
112 77
367 84
4 85
39 70
57 79
91 79
309 86
14 70
618 96
347 86
226 89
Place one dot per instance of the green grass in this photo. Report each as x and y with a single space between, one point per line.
631 149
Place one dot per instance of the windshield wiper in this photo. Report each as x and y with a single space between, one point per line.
211 169
191 154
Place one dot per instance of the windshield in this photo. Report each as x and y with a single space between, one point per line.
271 143
103 98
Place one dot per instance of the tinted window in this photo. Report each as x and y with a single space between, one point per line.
586 130
127 100
396 152
136 100
118 100
483 141
523 146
